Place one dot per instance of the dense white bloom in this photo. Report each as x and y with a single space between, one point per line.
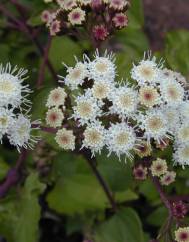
56 97
124 100
102 68
76 75
154 125
94 137
121 140
54 117
19 133
172 116
147 71
182 134
86 109
65 139
181 155
184 110
6 119
172 92
12 90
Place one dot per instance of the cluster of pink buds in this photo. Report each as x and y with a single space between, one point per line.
99 17
159 169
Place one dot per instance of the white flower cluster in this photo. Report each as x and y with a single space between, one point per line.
120 117
13 101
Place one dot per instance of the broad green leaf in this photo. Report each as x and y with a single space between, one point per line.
117 174
158 217
77 194
125 226
63 50
20 214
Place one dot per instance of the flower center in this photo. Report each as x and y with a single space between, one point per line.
155 124
6 86
3 121
84 109
122 138
101 66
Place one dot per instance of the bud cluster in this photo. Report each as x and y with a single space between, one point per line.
99 17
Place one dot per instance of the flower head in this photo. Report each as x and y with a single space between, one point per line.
12 90
102 68
6 119
147 71
102 89
121 140
54 117
56 97
181 155
125 101
144 149
168 178
94 137
76 75
118 4
100 32
120 20
179 209
19 133
86 109
154 125
55 27
182 234
76 16
149 96
158 167
140 172
65 139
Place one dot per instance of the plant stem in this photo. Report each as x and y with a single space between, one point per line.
44 62
102 182
13 175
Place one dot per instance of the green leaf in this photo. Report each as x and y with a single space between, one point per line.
77 194
177 51
158 217
19 216
122 227
136 15
63 50
117 174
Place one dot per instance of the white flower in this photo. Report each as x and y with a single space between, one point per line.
86 109
94 137
121 140
172 92
147 71
76 75
19 133
172 116
124 100
12 90
102 68
85 2
182 134
6 119
67 4
184 110
154 125
54 117
56 97
65 139
149 96
181 155
102 89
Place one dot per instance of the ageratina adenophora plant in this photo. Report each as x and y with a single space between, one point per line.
94 112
